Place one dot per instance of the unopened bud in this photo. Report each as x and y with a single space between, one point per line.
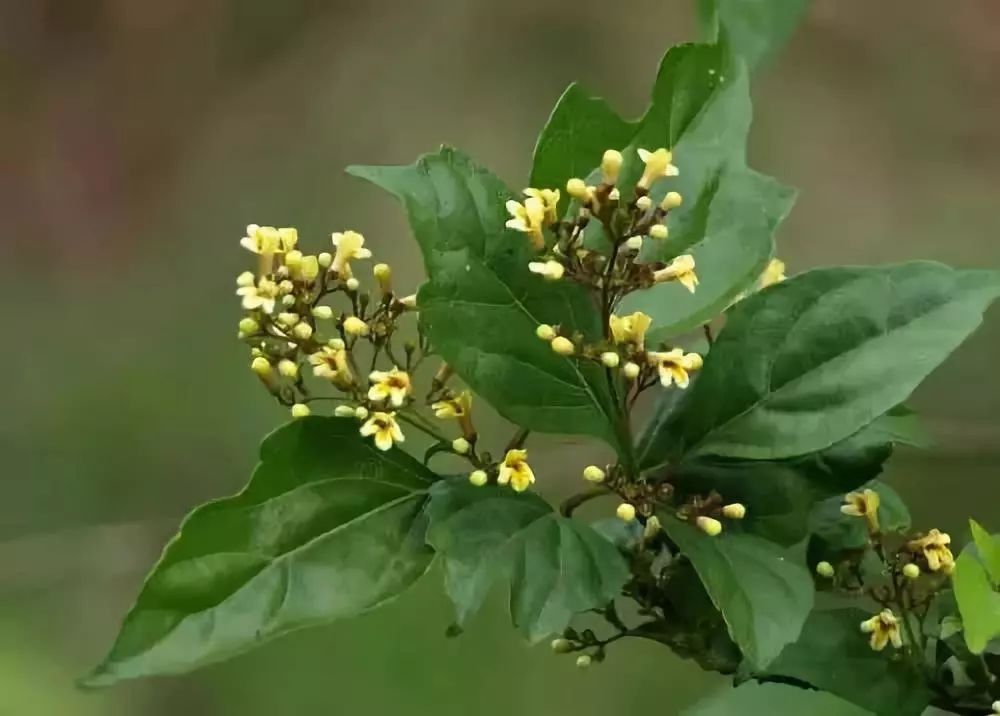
633 243
286 287
592 473
300 410
325 259
336 344
825 570
610 359
478 477
583 661
288 300
323 313
352 284
249 326
709 525
354 326
561 646
625 512
409 302
383 274
576 188
288 368
545 332
659 231
735 511
631 370
361 412
261 366
614 195
288 319
644 203
611 164
671 201
911 571
293 259
460 445
245 279
563 346
303 331
652 528
344 411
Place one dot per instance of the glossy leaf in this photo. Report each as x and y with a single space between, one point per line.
763 595
772 700
328 527
808 362
833 655
481 305
988 547
978 598
556 566
757 29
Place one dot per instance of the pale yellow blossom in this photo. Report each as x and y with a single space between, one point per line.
681 269
884 628
528 218
549 199
455 407
550 270
515 470
674 366
934 547
350 245
393 385
863 504
658 164
262 296
330 363
384 428
630 329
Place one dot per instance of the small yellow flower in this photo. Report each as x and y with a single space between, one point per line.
262 296
863 504
934 547
330 362
578 189
393 386
630 329
674 366
681 269
350 245
549 199
657 165
774 273
266 241
385 429
515 470
455 407
884 628
528 218
551 270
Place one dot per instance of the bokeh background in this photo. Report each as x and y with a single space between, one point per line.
139 137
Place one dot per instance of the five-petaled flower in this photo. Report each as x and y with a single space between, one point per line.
350 245
934 547
330 362
657 165
884 628
393 385
515 470
863 504
528 218
262 296
455 407
630 329
385 429
674 366
549 199
681 269
266 241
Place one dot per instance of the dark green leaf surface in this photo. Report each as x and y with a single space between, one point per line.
833 655
988 547
808 362
328 527
481 305
772 700
756 29
978 599
557 567
763 595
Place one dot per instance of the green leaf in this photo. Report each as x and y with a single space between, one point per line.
763 595
978 598
988 547
557 567
833 655
757 29
808 362
772 700
328 527
481 305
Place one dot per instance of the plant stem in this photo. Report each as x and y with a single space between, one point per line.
567 508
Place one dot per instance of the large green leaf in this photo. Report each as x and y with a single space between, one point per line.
833 655
757 29
481 305
808 362
328 527
763 595
772 700
988 548
978 595
557 567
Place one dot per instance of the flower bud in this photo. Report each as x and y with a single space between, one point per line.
286 287
583 661
734 511
825 570
383 274
323 313
610 359
658 231
288 301
325 259
631 370
300 410
709 525
561 646
293 259
911 571
614 195
478 477
671 201
611 164
592 473
545 332
625 512
652 527
361 412
288 368
644 203
288 319
460 445
575 187
303 331
633 243
352 284
409 302
563 346
245 279
261 366
344 411
248 326
336 343
354 326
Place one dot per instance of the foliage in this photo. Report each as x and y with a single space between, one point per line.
751 487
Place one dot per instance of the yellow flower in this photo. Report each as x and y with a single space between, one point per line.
515 470
330 362
863 504
350 245
455 407
550 270
266 241
528 218
385 429
630 329
774 273
681 269
934 547
674 366
262 296
393 386
884 628
549 199
657 165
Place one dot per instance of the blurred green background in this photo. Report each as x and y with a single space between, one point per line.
139 137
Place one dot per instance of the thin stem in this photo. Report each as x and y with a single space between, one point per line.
567 508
